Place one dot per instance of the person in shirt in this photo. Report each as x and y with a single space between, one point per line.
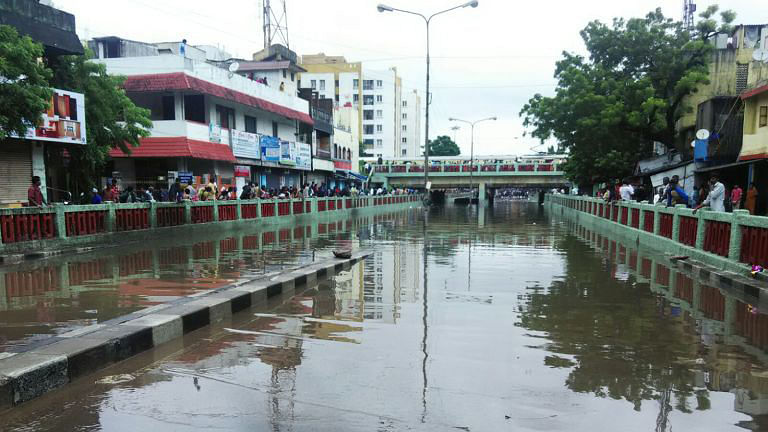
626 191
736 194
34 194
95 197
716 198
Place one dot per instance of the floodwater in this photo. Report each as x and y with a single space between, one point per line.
516 321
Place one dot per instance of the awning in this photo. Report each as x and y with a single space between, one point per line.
156 147
753 92
349 175
357 176
719 167
182 81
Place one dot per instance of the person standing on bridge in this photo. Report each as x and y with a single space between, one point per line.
716 198
626 190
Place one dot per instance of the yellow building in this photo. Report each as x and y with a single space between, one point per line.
755 145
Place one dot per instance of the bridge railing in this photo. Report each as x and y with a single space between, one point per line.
26 224
738 237
479 166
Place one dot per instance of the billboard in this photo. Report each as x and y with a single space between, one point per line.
304 156
287 153
270 148
245 144
64 121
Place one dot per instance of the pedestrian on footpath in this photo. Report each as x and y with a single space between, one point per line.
736 194
751 201
626 190
95 197
675 194
34 194
716 198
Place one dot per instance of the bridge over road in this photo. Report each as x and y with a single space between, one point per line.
485 173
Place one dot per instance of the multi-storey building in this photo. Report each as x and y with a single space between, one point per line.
212 118
382 103
411 142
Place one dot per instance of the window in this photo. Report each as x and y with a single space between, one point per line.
250 124
379 128
293 76
405 140
379 143
355 84
404 152
356 98
336 83
367 99
368 142
367 114
405 116
379 98
379 114
274 129
285 74
194 108
405 128
322 84
313 84
405 103
763 116
742 73
337 99
379 83
169 108
368 129
225 117
367 84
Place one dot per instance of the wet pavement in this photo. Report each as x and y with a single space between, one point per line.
517 321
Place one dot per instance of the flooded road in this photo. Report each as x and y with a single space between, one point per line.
514 321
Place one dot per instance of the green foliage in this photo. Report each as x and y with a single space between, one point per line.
112 119
443 146
610 107
24 89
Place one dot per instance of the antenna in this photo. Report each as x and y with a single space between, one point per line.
275 17
689 10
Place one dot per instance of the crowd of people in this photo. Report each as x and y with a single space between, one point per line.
712 194
179 192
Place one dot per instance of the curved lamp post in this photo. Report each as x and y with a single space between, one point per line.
427 20
472 146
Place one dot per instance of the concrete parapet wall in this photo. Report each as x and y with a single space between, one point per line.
32 230
727 241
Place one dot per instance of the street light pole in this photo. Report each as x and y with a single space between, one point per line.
427 20
472 148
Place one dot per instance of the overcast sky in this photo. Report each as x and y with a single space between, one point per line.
487 61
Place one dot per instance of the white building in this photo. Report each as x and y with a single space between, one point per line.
381 103
411 141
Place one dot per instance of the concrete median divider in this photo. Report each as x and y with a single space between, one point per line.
64 358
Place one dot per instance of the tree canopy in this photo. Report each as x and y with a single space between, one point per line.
23 83
112 119
609 108
443 146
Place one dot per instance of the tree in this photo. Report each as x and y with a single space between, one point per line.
443 146
113 121
631 91
24 89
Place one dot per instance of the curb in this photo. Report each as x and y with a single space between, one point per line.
63 358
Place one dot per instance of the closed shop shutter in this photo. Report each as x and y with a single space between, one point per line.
15 171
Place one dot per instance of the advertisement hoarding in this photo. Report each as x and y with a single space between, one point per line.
270 148
287 153
303 156
245 145
64 121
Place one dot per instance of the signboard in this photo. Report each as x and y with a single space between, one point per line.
245 144
270 148
242 171
214 133
303 156
287 151
64 121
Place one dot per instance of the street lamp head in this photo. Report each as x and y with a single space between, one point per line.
472 3
494 118
384 8
451 119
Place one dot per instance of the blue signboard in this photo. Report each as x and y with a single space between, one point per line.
287 151
700 151
270 148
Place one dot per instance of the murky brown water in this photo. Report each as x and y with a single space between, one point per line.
517 322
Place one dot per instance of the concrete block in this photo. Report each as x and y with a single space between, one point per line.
82 331
83 355
218 308
6 392
192 316
30 375
238 299
164 327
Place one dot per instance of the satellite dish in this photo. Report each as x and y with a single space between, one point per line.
233 67
702 134
760 55
693 144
